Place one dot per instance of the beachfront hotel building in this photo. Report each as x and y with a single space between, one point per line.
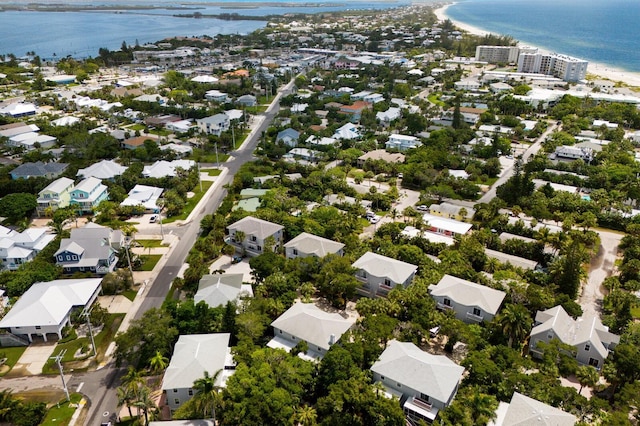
502 54
561 66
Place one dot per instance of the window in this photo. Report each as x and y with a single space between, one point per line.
381 377
68 257
399 385
447 302
476 311
253 238
319 348
424 397
176 401
587 347
74 257
387 282
190 392
60 258
175 391
280 331
593 362
38 327
259 248
295 252
550 335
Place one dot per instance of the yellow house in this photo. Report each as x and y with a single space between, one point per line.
56 195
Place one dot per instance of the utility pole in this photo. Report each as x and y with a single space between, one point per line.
217 159
199 177
87 315
58 359
127 248
161 205
233 135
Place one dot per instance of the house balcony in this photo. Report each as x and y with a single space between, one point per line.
473 317
383 290
417 410
444 307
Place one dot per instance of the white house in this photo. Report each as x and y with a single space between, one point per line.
525 411
215 124
305 322
448 227
305 245
574 152
348 131
391 114
216 96
193 355
380 274
402 142
468 84
46 307
105 169
254 232
590 338
145 196
163 168
17 248
471 302
424 383
219 289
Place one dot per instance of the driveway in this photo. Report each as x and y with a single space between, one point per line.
33 359
224 263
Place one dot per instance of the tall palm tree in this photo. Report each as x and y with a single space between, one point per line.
587 376
483 407
515 322
158 363
306 416
133 379
206 394
125 397
145 403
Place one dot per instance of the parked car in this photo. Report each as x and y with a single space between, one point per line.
422 208
374 219
154 218
236 259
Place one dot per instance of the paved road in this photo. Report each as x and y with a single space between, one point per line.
532 150
99 386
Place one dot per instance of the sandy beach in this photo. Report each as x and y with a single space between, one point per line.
601 70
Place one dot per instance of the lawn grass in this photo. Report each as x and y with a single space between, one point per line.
212 172
160 132
191 202
138 127
635 312
151 243
61 413
130 294
12 355
102 340
434 98
149 262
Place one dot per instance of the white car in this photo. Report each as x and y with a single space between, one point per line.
422 208
153 218
374 219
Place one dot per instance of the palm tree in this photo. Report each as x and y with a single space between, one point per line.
306 416
463 214
483 407
158 363
125 397
145 403
206 395
515 322
133 380
587 376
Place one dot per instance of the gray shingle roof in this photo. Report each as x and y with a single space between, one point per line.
525 411
433 375
254 226
216 290
38 169
468 293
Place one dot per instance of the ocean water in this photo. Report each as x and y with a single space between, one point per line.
81 34
602 31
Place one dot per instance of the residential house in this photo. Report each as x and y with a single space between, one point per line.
360 95
136 142
216 96
88 194
402 142
525 411
38 169
305 322
339 200
92 248
219 289
355 109
424 383
470 302
163 168
184 423
19 109
45 308
381 154
180 126
179 150
448 227
247 100
13 129
32 140
303 155
388 116
56 195
289 137
517 261
574 152
145 196
17 248
105 169
373 98
348 131
193 355
469 84
214 125
68 120
591 339
305 245
451 211
249 234
380 274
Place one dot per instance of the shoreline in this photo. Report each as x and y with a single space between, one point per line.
598 69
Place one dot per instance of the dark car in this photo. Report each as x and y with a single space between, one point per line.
236 259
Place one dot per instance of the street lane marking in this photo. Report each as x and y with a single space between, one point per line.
80 387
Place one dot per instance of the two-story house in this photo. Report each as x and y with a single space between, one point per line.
402 142
591 340
305 245
219 289
193 355
380 274
424 383
17 248
305 322
88 194
90 249
289 137
56 195
523 411
214 125
471 302
250 235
